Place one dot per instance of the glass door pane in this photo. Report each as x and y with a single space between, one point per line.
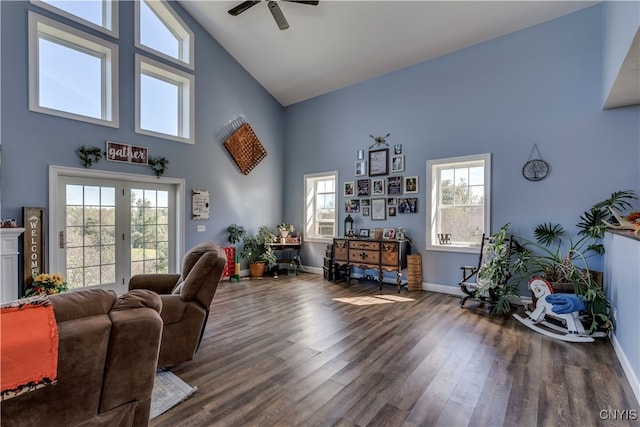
149 231
90 229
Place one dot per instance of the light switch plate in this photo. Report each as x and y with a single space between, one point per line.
201 228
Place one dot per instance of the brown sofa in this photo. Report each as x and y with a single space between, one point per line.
107 357
186 299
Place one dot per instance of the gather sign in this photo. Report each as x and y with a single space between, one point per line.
119 152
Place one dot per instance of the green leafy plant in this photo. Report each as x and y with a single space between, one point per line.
257 248
236 233
286 227
89 155
553 255
501 270
159 165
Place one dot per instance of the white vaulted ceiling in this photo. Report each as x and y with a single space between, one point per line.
338 43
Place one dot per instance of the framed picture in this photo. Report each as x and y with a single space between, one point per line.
408 205
364 232
389 233
397 163
394 186
365 210
392 201
378 187
365 202
379 162
363 187
397 149
392 211
352 206
410 184
348 189
361 168
378 209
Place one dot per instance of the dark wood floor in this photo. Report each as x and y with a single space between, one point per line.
286 352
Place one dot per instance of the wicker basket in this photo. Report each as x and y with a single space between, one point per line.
245 148
414 271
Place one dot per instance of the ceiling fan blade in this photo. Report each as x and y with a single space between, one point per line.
242 7
278 15
310 3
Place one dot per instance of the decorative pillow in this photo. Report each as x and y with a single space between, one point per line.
28 346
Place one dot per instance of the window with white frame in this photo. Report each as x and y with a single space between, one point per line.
164 101
320 205
459 191
72 74
99 15
160 30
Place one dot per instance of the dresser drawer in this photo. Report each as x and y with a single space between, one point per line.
340 250
366 257
364 244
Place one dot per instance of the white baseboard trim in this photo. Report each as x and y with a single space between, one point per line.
442 289
314 270
626 367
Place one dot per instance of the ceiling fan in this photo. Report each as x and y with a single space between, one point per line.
273 6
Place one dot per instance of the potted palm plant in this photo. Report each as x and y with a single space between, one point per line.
563 261
256 249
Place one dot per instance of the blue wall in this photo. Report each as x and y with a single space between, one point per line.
539 85
224 90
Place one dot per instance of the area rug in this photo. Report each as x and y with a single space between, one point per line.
168 391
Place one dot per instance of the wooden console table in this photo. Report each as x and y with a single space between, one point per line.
382 255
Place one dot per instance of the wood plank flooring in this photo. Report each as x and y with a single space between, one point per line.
286 352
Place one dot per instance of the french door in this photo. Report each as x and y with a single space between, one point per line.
109 230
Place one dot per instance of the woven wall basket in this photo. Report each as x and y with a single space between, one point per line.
245 148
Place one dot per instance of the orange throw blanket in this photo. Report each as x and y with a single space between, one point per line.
28 346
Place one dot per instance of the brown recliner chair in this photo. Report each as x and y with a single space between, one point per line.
107 356
185 300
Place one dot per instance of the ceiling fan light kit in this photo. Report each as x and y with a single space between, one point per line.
274 8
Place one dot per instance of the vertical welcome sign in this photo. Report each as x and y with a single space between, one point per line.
34 245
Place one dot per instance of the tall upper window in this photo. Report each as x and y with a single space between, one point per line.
72 74
459 191
164 101
160 30
99 15
320 205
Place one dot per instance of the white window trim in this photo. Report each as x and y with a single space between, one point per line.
38 23
176 25
58 171
308 238
432 196
186 82
111 9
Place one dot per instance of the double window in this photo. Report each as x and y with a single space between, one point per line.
74 74
459 191
320 206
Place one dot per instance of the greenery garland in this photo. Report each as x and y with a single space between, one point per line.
89 155
159 165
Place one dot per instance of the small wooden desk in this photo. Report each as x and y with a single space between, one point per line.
379 254
288 251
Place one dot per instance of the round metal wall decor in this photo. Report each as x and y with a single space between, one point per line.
535 169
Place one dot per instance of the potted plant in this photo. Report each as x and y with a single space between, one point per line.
564 262
500 271
236 234
257 250
285 229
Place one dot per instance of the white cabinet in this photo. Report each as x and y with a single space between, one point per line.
9 284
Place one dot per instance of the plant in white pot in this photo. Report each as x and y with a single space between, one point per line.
257 250
285 229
